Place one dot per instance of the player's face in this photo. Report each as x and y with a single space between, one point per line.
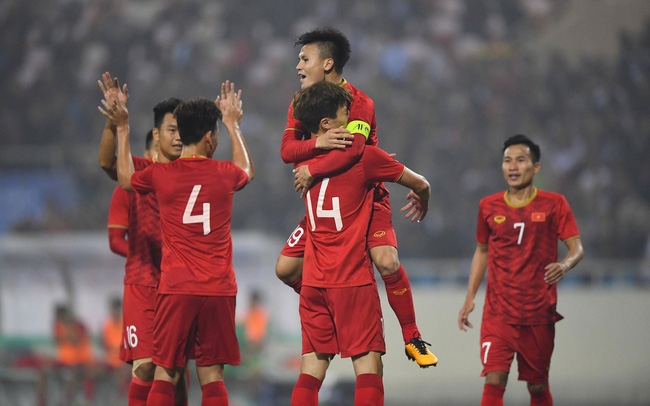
311 67
169 142
518 167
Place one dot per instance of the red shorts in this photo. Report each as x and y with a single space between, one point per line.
381 232
138 308
341 320
532 344
203 327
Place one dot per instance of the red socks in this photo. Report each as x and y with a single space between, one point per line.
161 394
369 390
214 394
305 392
492 395
542 398
138 392
400 298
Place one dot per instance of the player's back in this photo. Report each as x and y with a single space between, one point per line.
338 212
195 200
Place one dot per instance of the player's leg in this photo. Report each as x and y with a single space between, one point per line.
182 388
534 361
173 328
319 343
313 367
369 388
382 242
497 353
217 345
494 388
138 307
162 389
142 375
213 387
361 338
289 265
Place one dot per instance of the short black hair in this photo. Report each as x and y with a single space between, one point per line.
195 118
331 43
522 139
162 108
320 100
148 139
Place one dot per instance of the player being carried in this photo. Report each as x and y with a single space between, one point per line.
322 57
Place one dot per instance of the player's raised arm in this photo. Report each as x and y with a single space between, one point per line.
230 104
111 90
117 112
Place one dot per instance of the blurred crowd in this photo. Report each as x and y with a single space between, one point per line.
450 79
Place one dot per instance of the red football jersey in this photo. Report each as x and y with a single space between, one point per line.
118 210
521 241
338 215
143 259
362 110
195 200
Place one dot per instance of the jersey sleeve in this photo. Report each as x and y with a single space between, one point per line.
293 148
240 177
567 226
142 181
381 167
482 230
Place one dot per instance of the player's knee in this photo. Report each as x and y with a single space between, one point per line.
386 260
536 387
143 369
497 378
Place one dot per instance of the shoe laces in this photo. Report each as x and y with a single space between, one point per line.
420 344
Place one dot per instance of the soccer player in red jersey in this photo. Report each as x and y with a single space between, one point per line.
517 235
322 57
195 308
142 268
118 210
340 311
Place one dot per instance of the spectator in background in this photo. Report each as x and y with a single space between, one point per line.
74 355
255 325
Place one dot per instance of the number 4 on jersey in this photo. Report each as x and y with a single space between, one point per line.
204 218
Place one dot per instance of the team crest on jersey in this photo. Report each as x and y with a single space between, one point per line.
379 234
499 219
538 216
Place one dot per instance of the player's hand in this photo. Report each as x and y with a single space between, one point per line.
110 88
334 138
115 111
302 179
230 103
555 272
463 315
417 209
